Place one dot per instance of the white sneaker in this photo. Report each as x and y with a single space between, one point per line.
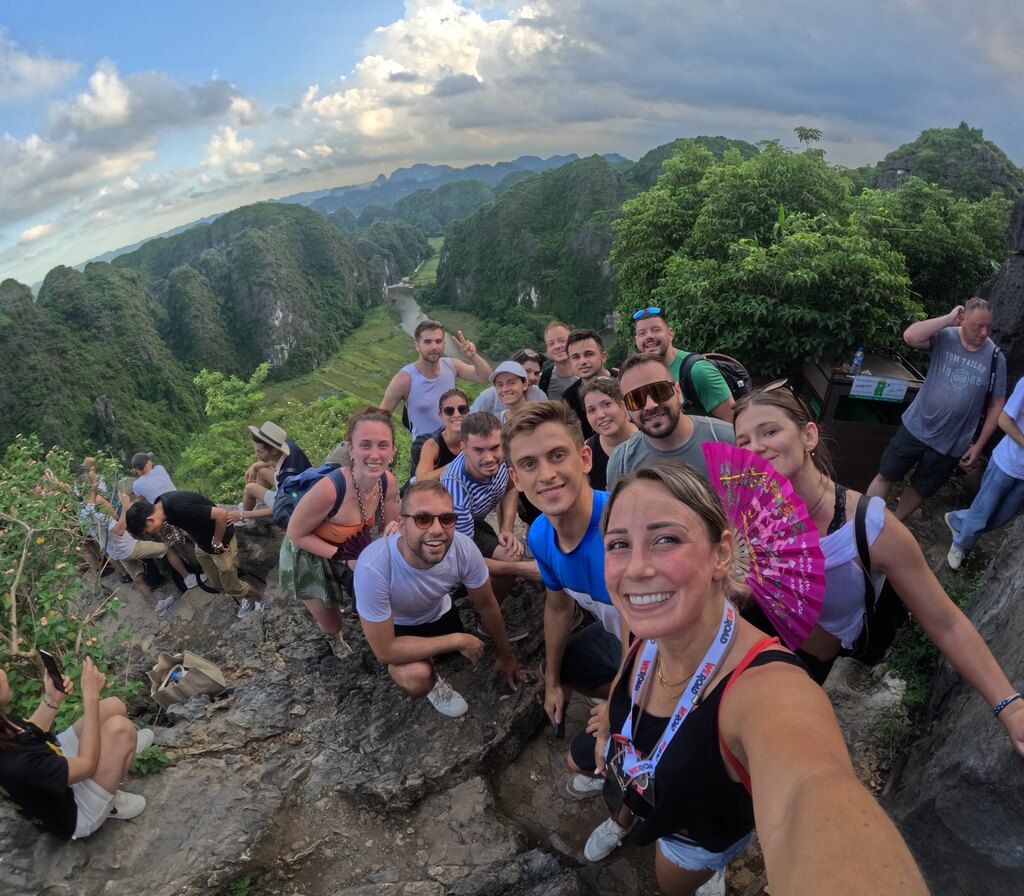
603 842
190 581
955 557
580 787
260 606
244 608
446 701
127 806
714 887
947 516
162 606
144 738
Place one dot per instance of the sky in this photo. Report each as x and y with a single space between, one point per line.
121 121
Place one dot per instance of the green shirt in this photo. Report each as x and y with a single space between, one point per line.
708 382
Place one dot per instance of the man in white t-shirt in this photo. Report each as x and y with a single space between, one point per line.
403 586
153 479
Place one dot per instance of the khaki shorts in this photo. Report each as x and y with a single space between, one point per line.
222 570
144 550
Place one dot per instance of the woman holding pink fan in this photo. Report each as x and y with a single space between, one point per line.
708 711
776 425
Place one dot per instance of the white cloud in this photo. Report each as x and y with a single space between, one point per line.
35 233
243 110
241 169
24 76
224 146
105 103
129 183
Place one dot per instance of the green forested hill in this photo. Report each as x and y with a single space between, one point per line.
85 365
542 245
432 210
651 165
959 159
394 248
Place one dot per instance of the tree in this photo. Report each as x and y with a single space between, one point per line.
807 135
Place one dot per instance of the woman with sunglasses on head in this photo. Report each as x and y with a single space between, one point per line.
442 447
337 518
712 727
777 425
607 416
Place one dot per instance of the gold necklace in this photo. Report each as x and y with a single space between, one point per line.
821 497
359 496
668 685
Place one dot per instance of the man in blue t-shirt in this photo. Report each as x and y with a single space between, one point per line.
549 462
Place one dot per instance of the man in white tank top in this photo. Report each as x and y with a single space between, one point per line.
421 384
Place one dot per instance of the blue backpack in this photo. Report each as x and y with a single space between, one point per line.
294 487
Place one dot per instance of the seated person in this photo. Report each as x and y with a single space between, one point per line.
439 449
403 586
216 546
277 458
67 784
490 400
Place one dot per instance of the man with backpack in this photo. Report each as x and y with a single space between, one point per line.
966 383
277 459
705 391
558 374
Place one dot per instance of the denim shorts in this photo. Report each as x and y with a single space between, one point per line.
691 857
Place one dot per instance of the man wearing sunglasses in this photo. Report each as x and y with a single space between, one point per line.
653 337
403 586
654 403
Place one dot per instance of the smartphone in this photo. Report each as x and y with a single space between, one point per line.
54 669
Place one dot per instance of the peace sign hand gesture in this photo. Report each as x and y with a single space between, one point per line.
467 348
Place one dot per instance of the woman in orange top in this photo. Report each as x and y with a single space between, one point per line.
320 552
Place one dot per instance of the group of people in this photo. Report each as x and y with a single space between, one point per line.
702 726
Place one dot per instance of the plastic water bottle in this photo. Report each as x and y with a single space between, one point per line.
858 361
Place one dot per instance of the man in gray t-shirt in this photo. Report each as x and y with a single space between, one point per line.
654 403
403 586
938 428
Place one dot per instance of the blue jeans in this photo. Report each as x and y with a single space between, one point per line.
999 500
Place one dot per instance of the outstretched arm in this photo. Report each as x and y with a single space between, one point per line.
897 554
396 392
816 822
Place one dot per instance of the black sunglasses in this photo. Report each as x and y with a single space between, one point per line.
461 408
646 312
636 399
425 520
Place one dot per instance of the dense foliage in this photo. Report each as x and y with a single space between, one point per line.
773 260
650 166
48 599
432 210
393 248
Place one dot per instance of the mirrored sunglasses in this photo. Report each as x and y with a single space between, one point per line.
636 399
646 312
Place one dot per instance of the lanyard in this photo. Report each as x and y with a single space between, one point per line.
632 764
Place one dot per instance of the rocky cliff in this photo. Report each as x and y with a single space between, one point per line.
1006 293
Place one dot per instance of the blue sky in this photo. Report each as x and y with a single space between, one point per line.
119 121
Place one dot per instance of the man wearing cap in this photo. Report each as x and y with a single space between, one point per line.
153 480
277 458
653 337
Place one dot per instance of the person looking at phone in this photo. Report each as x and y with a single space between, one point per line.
655 404
712 727
403 591
67 784
548 463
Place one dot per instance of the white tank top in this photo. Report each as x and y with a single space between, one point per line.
842 611
425 395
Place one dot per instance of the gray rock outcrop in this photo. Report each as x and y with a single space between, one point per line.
1006 293
958 793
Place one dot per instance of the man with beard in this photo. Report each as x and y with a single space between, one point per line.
421 384
653 337
586 351
403 586
654 402
549 462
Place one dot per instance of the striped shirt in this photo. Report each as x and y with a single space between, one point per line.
473 500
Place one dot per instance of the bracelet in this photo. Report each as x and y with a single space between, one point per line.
1002 704
56 708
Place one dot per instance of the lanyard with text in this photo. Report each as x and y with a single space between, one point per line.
632 764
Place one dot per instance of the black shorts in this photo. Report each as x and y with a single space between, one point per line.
448 624
485 538
906 452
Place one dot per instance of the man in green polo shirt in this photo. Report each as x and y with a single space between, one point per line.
653 337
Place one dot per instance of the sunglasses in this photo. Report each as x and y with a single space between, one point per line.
646 312
463 409
526 355
660 391
426 520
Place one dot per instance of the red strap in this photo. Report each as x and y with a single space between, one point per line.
737 766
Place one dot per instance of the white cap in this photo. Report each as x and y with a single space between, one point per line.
508 367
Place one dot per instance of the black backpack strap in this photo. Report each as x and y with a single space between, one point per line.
338 478
864 552
686 379
545 377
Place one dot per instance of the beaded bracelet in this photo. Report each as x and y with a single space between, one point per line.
55 708
1002 704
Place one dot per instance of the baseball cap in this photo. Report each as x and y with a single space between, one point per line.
139 460
508 367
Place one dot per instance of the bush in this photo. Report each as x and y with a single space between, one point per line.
48 601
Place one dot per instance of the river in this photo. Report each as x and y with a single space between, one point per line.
404 299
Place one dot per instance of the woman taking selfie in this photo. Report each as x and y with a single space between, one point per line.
776 425
712 727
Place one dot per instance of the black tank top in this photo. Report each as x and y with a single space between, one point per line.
696 802
444 453
599 469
